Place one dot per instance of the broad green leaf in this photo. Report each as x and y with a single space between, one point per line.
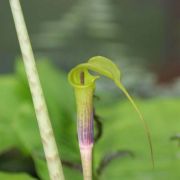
9 103
60 102
26 129
41 168
163 122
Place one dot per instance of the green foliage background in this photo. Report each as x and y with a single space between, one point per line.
121 129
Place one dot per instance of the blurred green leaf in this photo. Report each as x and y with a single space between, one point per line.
15 176
122 132
26 129
59 97
9 102
41 168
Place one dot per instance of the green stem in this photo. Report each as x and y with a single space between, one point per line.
86 158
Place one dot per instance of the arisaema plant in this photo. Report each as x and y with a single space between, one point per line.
83 81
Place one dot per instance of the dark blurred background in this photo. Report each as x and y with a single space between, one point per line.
141 36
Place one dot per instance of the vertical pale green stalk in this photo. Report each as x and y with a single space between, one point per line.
84 96
46 132
84 91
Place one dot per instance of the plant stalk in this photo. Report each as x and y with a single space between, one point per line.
86 158
45 128
84 101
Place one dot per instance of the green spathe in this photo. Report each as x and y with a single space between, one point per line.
105 67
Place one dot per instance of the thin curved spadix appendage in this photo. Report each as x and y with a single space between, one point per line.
84 84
